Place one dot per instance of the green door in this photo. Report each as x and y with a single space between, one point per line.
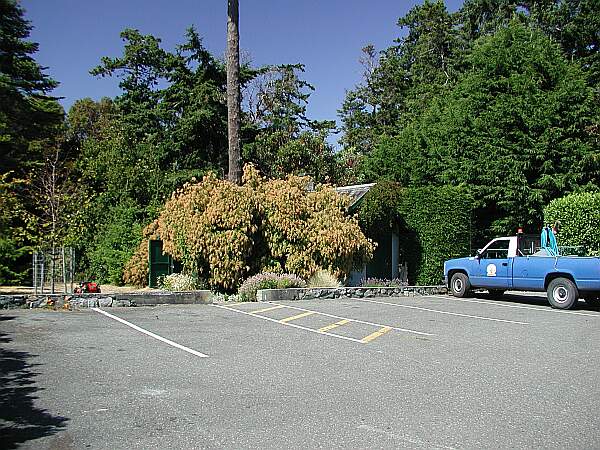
158 263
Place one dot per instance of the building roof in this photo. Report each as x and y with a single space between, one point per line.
355 192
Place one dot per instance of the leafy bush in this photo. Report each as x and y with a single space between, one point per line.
219 297
227 232
579 216
268 280
323 278
308 231
14 231
380 282
179 282
115 244
433 225
135 272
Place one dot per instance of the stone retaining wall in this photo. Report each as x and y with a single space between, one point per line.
272 295
75 301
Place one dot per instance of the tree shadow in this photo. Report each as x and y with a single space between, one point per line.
20 419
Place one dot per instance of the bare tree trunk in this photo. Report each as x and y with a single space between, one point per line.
233 91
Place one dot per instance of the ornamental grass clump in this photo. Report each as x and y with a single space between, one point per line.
179 282
268 280
323 278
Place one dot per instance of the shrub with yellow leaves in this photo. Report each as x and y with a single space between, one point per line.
307 231
224 232
211 227
135 272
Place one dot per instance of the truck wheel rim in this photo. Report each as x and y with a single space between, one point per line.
458 285
560 294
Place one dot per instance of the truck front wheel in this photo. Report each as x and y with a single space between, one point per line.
459 285
562 293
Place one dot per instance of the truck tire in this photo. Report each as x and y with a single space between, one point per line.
460 285
562 293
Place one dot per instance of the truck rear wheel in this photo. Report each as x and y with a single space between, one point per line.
460 285
562 293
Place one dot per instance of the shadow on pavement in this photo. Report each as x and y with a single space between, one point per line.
531 300
20 419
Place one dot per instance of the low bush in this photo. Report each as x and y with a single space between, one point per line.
380 282
219 297
268 280
179 282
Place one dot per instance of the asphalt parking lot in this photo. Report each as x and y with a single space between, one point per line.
413 372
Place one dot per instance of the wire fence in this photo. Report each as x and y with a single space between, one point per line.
53 270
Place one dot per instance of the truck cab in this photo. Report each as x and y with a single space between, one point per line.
516 263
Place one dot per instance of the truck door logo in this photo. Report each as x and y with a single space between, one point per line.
491 270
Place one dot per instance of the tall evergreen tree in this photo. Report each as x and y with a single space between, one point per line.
27 112
30 121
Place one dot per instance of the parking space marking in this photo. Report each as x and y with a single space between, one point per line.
441 312
405 330
375 335
289 324
298 316
560 311
335 325
267 309
152 335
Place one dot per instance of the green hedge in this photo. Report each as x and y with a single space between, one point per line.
433 224
579 216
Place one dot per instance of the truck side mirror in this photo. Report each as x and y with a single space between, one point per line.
479 253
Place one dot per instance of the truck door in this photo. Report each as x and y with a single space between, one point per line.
492 268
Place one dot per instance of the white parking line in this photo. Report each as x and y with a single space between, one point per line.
287 324
152 335
442 312
560 311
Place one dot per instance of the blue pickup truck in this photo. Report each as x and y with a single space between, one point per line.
504 265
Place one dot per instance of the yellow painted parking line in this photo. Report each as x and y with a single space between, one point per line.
405 330
267 309
289 319
375 335
335 325
293 325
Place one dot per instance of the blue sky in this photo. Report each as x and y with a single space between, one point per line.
326 36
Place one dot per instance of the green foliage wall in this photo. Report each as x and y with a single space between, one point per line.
434 224
115 243
579 216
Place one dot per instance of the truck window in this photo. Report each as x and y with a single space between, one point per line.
498 250
528 244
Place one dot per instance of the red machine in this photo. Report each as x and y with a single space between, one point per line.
88 287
